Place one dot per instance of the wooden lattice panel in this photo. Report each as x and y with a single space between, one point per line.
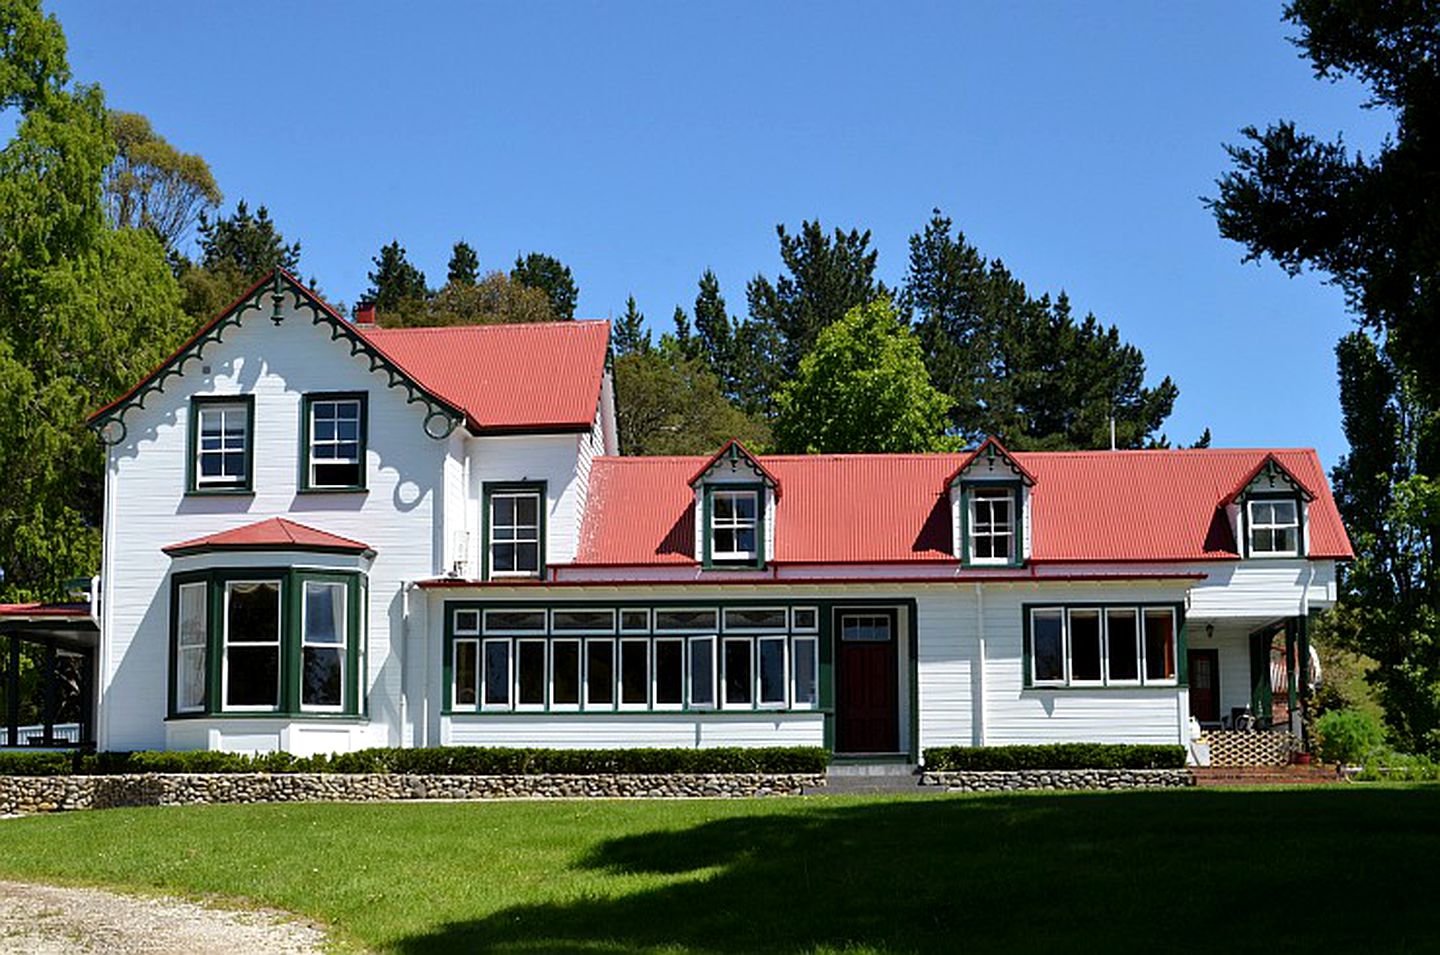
1250 747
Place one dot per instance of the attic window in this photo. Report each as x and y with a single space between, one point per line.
734 526
991 525
1274 527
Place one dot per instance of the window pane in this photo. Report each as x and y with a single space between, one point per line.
635 620
739 680
191 631
685 620
507 621
602 621
1123 644
530 675
190 690
724 507
467 621
805 676
324 612
772 671
1283 512
1047 645
527 511
806 618
599 672
253 615
763 618
872 629
1159 645
467 659
321 680
253 676
527 558
1285 540
669 672
565 664
702 672
497 672
635 671
337 475
1085 645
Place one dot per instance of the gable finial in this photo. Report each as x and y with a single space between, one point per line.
277 299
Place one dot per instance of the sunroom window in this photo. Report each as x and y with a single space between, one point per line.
1101 646
991 525
1274 527
734 526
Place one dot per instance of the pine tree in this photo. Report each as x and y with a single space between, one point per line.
395 281
249 245
550 276
464 268
715 332
631 337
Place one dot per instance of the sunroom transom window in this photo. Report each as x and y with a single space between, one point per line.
336 447
1274 527
734 526
991 525
516 525
1101 646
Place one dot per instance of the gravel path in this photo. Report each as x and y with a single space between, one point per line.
47 920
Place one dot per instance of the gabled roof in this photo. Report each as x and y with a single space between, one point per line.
507 378
992 449
734 452
277 533
1086 506
1276 470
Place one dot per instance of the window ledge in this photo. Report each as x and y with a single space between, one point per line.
631 714
332 490
1103 688
220 492
271 715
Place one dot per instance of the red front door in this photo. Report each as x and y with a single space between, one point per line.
1205 685
867 716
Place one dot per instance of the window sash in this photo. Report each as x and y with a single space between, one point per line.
248 648
313 647
634 675
1151 645
1081 642
701 674
665 694
495 674
336 431
600 676
1271 533
222 438
465 674
1131 642
733 525
192 636
805 673
1053 658
572 672
737 678
771 672
522 537
531 687
991 526
1160 665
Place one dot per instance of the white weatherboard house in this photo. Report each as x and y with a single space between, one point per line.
321 535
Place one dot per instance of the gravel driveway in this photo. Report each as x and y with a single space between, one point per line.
46 920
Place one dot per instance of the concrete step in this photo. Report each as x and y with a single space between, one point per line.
871 769
1265 775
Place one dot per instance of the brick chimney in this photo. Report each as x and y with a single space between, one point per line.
365 313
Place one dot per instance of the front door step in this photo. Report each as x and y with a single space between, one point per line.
871 768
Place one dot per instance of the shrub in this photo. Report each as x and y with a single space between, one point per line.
1399 767
1348 736
1054 756
442 760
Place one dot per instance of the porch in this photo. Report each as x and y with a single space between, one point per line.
47 675
1248 690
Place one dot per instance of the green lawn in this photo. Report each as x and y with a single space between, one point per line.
1214 871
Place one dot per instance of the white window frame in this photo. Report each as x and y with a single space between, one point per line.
710 628
455 703
620 619
184 650
579 673
486 704
713 640
583 631
224 409
655 703
512 631
1110 678
726 626
614 677
1252 526
620 703
734 523
314 442
466 629
341 646
1145 612
516 529
754 680
760 702
973 495
227 644
796 654
795 626
1068 633
544 675
1064 677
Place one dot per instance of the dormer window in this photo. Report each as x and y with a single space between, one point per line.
1274 527
734 526
514 530
991 525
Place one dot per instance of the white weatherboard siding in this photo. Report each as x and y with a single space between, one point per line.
1279 587
625 730
1233 645
552 458
147 508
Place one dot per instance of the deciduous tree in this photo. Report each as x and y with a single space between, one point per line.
152 185
668 404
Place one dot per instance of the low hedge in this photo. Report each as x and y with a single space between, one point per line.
443 761
1054 756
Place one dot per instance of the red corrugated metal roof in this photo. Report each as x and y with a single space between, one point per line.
277 533
77 611
1086 506
506 377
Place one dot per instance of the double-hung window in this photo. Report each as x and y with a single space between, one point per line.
991 525
515 522
221 444
1274 527
192 636
335 442
322 638
734 526
1101 646
252 645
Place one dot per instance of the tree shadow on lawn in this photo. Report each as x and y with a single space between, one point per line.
1204 871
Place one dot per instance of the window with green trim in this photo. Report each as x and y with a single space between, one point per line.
1273 524
514 530
221 438
335 426
266 641
1101 645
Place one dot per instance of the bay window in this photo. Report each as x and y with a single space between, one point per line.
266 642
1097 646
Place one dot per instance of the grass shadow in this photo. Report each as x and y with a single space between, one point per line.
1195 871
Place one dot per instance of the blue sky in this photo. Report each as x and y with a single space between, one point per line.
642 143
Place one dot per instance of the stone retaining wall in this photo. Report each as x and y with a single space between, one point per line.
23 794
1008 781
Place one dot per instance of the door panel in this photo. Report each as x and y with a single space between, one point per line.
1205 685
867 716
